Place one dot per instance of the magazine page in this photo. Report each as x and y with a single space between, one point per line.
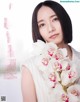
16 41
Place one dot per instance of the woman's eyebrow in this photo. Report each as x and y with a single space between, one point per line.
53 16
43 20
40 21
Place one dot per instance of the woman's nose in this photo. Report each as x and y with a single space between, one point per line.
51 28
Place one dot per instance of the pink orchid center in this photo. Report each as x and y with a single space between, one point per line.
51 51
45 61
75 92
71 74
58 65
68 67
52 77
65 98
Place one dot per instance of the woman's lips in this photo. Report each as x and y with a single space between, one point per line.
53 36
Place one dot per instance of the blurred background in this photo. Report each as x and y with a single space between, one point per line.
16 41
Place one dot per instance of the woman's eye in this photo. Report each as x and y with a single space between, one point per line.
55 19
41 25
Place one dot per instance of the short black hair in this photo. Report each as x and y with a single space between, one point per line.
61 13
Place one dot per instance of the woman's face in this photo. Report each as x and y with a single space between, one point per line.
49 25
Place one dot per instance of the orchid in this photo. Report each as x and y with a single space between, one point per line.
58 72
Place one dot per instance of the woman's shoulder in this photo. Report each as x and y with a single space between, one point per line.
29 65
76 53
30 61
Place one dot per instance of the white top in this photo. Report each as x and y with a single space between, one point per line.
41 88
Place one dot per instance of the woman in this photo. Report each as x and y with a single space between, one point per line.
50 23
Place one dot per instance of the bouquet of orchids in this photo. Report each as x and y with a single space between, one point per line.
58 71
